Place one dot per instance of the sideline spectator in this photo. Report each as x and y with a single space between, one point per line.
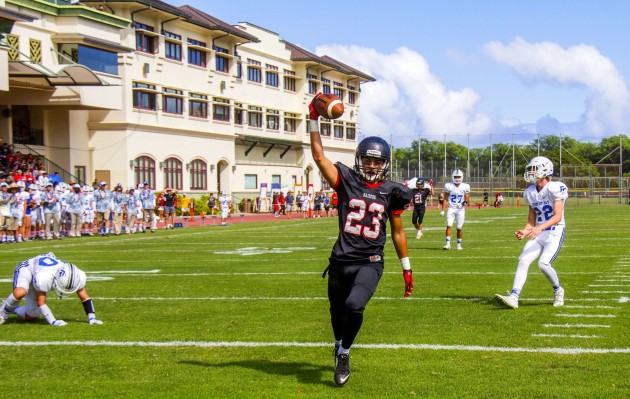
118 201
160 208
290 200
169 208
130 210
485 197
51 204
212 204
498 201
103 208
147 197
334 202
76 202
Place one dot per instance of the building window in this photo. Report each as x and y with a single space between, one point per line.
326 89
338 93
289 80
338 130
198 175
254 73
198 105
196 56
352 96
144 96
222 62
79 173
351 131
324 129
271 75
173 173
251 182
93 58
254 116
145 40
173 46
290 122
172 101
239 70
144 170
221 109
276 179
239 114
312 87
273 119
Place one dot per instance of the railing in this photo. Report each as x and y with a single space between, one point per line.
49 165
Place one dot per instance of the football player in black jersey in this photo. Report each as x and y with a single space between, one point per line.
365 202
419 201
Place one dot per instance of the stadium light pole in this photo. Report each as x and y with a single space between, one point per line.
419 156
445 158
560 156
621 170
490 166
468 159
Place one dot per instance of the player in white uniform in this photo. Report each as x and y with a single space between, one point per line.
456 194
224 204
33 278
544 230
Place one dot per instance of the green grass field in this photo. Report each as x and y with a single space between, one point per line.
241 312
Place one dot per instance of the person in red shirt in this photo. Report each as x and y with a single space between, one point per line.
334 202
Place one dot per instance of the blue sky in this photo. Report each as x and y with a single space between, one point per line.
484 71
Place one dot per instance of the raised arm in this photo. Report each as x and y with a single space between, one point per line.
325 165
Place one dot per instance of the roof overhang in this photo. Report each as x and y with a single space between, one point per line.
56 75
270 143
77 38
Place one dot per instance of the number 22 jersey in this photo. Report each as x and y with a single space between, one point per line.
363 212
542 201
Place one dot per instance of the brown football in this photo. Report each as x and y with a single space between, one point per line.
329 106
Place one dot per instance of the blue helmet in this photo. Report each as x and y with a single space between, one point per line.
372 147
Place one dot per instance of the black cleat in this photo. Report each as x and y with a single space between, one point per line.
342 369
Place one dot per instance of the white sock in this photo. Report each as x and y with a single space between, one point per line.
343 351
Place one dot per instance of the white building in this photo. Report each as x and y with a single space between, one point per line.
133 91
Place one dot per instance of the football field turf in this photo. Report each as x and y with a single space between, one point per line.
241 312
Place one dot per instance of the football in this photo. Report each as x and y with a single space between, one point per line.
329 106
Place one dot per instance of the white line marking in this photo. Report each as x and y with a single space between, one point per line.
590 307
609 285
241 344
576 325
319 298
587 316
605 292
565 336
125 271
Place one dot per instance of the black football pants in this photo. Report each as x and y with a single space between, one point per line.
349 290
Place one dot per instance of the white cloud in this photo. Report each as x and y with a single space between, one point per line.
608 103
407 99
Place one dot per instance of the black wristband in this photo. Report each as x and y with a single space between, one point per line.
464 203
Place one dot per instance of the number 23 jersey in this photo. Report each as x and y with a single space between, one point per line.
363 212
542 201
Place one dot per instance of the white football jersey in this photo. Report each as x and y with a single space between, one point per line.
456 193
225 202
542 202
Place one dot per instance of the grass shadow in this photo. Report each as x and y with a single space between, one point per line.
305 373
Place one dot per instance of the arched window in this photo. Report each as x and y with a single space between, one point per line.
144 170
198 175
173 173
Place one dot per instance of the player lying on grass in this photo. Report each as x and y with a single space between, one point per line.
544 230
366 200
33 278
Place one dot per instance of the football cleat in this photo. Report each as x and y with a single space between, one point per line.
441 213
459 247
342 369
510 300
419 234
558 297
447 247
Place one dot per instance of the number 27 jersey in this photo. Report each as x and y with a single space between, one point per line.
363 212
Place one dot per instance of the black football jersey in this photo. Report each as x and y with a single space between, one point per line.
363 212
420 197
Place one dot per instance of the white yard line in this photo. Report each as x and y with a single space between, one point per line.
243 344
576 325
565 336
588 316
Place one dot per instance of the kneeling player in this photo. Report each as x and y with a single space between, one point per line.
33 278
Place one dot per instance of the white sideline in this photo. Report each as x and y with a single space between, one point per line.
586 316
242 344
577 325
321 298
565 336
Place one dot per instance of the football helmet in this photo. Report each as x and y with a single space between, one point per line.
458 176
420 182
372 147
538 168
68 279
